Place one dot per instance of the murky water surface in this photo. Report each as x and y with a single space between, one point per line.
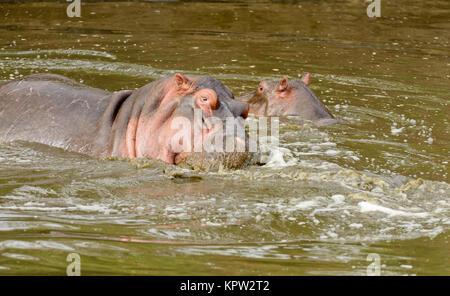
327 197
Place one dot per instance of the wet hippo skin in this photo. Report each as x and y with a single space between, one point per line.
289 97
57 111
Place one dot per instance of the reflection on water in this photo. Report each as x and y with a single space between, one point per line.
327 198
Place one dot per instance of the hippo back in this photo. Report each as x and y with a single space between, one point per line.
50 109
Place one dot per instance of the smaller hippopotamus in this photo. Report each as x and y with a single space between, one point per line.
289 97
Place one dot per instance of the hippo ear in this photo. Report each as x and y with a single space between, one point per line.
306 79
283 85
181 81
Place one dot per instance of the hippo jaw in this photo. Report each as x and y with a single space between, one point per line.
216 146
208 161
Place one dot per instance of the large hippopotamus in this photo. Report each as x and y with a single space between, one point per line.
147 122
288 97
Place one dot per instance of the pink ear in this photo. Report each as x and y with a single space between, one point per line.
180 80
283 84
306 78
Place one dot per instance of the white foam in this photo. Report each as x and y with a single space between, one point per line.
338 198
356 225
20 256
68 52
277 158
24 245
370 207
396 131
332 152
305 204
406 266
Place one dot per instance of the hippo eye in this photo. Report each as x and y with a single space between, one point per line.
204 99
261 89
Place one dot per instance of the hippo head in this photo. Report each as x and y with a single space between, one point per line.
191 121
288 97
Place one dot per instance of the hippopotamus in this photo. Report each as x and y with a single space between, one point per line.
289 97
147 122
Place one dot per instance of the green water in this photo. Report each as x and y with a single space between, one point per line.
327 197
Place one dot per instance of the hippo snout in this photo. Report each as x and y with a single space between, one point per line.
222 144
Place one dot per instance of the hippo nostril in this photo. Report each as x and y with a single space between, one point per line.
245 113
240 109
